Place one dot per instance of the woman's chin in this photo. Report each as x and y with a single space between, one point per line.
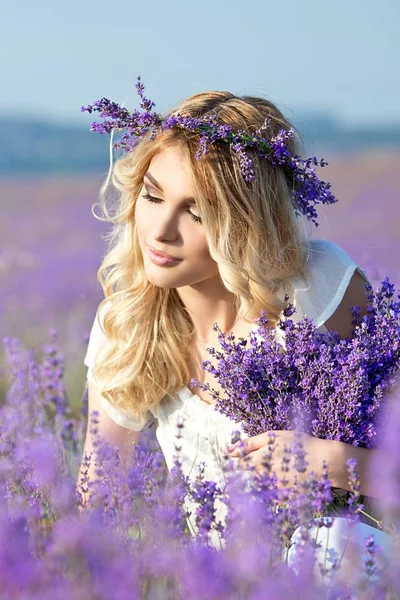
162 278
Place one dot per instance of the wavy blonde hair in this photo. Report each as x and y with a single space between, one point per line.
252 233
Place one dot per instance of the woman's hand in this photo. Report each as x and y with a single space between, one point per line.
250 454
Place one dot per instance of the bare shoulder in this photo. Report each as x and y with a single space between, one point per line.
355 295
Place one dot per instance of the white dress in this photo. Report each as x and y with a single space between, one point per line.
207 432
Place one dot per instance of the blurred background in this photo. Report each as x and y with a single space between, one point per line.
331 67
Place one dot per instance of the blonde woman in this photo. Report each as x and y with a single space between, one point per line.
194 242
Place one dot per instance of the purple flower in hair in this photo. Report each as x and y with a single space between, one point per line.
246 165
307 190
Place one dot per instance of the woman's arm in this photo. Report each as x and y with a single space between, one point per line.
111 432
355 295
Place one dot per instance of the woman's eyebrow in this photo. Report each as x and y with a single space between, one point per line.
158 186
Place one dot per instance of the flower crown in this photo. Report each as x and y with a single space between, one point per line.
306 189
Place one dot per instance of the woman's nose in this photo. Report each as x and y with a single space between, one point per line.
166 226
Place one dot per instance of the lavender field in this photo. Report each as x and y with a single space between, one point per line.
366 220
132 541
50 251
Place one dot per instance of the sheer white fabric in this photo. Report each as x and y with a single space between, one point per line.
206 432
331 269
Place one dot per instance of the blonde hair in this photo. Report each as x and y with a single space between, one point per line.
252 233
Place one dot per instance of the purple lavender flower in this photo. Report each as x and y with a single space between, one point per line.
354 502
246 166
370 550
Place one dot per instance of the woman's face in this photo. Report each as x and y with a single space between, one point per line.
169 225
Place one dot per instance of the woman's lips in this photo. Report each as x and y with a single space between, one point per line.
163 254
162 260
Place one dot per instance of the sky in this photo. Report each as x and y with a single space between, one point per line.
338 57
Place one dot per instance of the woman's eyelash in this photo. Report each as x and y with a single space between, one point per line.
150 198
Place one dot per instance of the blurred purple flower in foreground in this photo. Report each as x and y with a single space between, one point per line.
132 538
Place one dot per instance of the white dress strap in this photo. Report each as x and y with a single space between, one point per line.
330 271
122 417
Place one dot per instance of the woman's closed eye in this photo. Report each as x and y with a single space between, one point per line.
150 198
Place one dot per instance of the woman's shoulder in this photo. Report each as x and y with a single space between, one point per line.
329 271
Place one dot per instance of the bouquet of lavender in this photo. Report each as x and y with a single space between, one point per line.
327 387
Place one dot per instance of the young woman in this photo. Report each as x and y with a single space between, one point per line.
193 243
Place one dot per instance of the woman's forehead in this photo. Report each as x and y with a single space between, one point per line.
170 172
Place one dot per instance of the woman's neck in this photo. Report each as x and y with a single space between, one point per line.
207 303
